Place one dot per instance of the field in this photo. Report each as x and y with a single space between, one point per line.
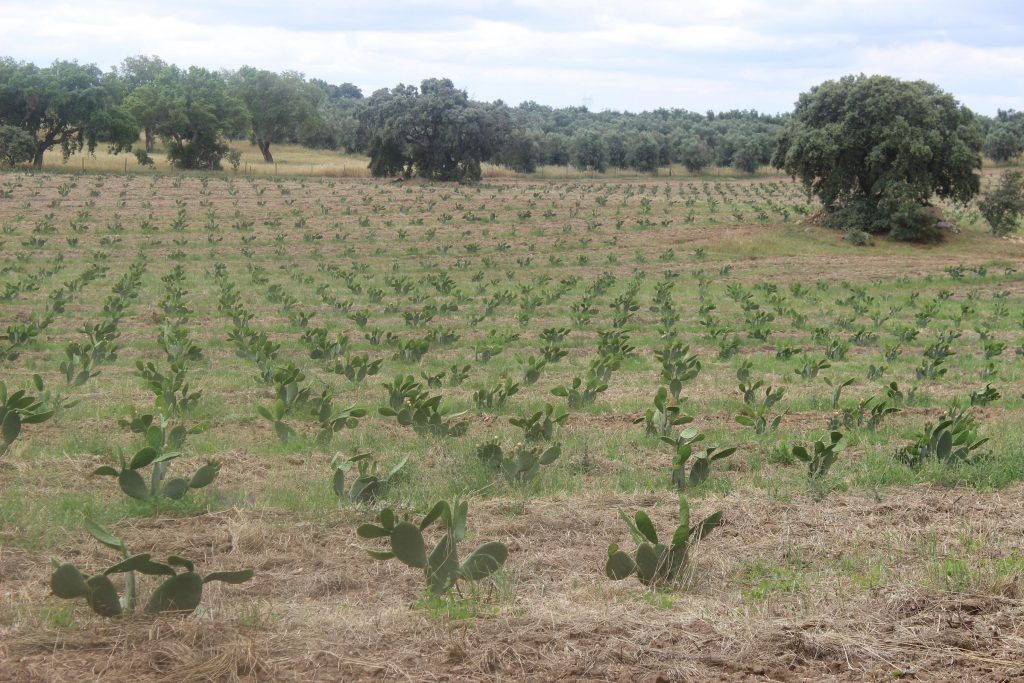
895 562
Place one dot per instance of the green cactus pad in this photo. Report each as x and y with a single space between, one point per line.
174 489
132 483
142 564
67 582
240 576
619 565
484 561
205 475
443 566
180 593
407 545
102 596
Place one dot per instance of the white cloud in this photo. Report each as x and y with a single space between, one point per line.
624 55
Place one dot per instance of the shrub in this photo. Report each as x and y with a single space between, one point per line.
143 158
16 146
1003 207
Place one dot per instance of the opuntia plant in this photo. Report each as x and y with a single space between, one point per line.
659 420
495 397
655 563
821 455
532 369
358 367
21 408
757 413
700 469
163 444
275 414
171 391
678 366
368 486
182 591
441 567
952 441
541 425
333 420
424 414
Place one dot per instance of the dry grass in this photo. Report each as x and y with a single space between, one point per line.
319 611
295 160
291 160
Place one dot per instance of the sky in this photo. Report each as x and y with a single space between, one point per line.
637 55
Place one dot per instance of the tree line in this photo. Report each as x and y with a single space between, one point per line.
434 130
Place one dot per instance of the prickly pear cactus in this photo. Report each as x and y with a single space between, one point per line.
441 565
180 592
656 564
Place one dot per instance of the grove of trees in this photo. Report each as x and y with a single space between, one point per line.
1004 139
434 129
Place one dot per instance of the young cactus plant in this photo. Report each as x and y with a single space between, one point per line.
441 567
659 420
542 425
522 464
757 413
700 469
368 486
655 563
182 591
21 408
163 444
821 455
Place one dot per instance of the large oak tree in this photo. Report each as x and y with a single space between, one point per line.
875 149
192 111
434 130
68 105
281 105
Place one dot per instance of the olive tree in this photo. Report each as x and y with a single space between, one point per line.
132 74
695 154
876 149
1005 140
1004 205
589 151
643 156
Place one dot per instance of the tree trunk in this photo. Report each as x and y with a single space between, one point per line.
37 161
265 150
150 141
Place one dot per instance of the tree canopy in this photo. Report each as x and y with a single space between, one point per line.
875 149
434 130
1005 138
887 130
132 74
192 111
280 105
67 105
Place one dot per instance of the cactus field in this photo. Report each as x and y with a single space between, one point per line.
297 429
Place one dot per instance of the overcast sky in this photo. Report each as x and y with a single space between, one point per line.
636 55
